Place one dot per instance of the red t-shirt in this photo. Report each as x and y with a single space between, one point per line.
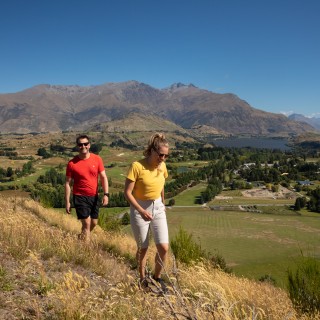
85 173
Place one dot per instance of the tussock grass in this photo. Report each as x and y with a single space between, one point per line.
53 275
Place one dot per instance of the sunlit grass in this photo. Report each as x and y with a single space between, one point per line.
58 272
189 196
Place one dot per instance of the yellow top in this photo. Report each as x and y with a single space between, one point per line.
149 182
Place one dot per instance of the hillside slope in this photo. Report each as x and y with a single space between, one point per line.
46 273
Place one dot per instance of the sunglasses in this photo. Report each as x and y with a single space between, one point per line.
83 144
161 155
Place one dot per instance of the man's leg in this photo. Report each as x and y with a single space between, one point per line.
93 223
94 213
85 230
84 206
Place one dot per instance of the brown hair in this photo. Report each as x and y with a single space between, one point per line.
83 136
155 141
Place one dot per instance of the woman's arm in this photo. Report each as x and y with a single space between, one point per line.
128 188
162 196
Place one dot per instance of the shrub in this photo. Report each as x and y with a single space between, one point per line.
219 262
304 285
125 220
109 223
268 278
185 249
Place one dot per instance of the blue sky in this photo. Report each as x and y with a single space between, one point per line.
265 52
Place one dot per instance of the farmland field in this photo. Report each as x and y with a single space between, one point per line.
188 197
252 244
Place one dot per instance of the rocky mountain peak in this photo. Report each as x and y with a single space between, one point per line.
180 85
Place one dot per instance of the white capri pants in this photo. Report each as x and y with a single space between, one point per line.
158 224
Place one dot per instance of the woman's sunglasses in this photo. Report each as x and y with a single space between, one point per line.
161 155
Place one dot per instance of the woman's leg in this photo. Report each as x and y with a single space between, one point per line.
142 260
160 258
140 229
161 236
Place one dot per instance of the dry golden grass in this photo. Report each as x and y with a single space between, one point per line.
47 273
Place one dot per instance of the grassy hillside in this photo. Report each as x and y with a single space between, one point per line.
47 273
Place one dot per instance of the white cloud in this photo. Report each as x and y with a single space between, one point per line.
315 115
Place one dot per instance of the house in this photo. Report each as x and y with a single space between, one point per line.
304 182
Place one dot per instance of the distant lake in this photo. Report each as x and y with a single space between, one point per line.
267 143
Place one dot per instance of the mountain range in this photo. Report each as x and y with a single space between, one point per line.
313 121
131 105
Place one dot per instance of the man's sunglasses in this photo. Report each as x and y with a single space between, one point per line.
83 144
161 155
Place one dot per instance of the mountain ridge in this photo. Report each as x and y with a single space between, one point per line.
313 121
49 108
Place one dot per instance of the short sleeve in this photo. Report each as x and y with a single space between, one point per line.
133 172
165 171
69 170
100 165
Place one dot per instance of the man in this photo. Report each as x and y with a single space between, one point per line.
84 170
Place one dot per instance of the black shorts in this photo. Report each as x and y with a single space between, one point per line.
86 206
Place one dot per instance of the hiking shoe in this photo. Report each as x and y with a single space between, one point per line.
162 285
143 284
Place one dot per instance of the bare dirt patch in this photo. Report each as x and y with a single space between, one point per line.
263 192
223 198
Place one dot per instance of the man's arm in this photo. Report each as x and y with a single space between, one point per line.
105 187
67 189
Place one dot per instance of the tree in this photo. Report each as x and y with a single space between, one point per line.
9 172
43 153
27 168
57 148
96 148
314 202
300 203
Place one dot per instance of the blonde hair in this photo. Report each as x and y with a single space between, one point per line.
155 141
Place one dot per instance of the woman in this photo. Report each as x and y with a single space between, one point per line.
144 189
